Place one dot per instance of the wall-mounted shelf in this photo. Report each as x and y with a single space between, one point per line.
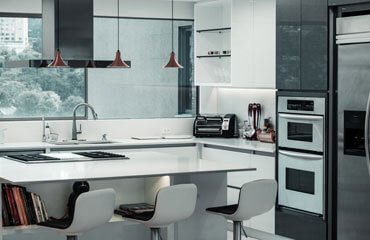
214 56
213 34
214 30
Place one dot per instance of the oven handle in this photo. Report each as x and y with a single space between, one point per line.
367 134
301 117
301 155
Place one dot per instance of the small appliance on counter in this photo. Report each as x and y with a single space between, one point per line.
216 126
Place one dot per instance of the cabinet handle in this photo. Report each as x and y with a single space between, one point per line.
301 155
301 117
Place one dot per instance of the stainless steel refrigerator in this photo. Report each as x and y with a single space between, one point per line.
353 84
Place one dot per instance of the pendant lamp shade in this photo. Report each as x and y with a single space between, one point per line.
173 63
58 61
118 62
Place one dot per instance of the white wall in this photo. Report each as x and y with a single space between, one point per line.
236 100
31 131
144 8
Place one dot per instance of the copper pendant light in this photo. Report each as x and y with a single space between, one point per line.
118 62
58 61
173 63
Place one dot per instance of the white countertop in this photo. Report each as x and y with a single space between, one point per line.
140 164
238 144
235 143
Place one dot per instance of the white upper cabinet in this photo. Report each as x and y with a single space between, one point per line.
253 43
249 33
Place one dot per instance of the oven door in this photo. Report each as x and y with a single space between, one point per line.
301 132
301 181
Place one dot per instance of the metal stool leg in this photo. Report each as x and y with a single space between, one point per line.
237 228
72 238
154 234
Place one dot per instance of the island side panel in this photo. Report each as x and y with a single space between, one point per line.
212 191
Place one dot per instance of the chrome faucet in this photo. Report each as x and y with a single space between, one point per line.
74 124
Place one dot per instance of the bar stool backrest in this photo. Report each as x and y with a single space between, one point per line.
173 204
255 198
92 209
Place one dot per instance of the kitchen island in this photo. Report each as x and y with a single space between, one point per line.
52 181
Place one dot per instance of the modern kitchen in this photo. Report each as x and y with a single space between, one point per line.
184 119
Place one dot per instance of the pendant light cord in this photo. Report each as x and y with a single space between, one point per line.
172 27
118 24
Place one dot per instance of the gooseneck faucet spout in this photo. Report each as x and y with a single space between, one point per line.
74 124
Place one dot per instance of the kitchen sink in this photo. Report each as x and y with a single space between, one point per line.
82 142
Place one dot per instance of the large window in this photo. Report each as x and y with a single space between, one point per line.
27 93
20 39
146 90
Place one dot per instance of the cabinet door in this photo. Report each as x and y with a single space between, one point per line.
264 44
288 43
242 43
314 45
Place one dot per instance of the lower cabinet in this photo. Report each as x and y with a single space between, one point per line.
265 170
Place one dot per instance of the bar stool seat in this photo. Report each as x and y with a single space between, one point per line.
91 209
172 204
255 198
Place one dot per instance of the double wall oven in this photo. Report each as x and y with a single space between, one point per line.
301 165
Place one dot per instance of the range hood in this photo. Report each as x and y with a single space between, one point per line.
69 26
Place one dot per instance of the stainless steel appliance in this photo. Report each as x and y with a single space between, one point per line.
301 155
352 153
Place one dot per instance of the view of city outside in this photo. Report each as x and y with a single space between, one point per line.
34 92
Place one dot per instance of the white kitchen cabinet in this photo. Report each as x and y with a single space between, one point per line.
265 170
253 44
248 29
212 34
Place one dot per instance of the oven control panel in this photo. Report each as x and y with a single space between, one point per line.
301 105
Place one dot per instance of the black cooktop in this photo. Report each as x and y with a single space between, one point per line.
32 157
101 155
90 156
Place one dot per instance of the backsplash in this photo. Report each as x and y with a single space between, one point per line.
31 131
232 100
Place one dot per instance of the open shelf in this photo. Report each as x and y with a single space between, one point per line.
24 229
214 56
214 30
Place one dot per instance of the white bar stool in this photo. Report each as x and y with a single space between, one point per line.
172 204
91 210
255 198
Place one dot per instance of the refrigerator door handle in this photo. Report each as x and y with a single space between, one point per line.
367 133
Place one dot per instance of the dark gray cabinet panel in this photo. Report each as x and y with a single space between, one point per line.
343 2
288 40
301 56
314 50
